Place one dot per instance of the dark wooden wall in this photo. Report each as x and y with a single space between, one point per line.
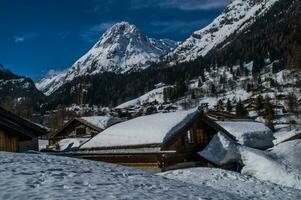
8 142
201 136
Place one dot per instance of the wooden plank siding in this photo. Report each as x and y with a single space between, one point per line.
201 136
8 142
131 160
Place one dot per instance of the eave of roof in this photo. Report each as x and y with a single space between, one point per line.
73 120
24 123
16 128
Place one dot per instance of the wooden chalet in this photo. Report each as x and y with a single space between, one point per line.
82 128
18 134
157 141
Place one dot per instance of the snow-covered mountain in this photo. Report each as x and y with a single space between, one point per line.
14 89
121 49
2 68
236 17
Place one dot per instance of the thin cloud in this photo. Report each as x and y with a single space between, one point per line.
182 27
180 4
95 31
25 37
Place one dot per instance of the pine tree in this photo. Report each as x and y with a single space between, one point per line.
269 113
213 89
220 105
229 106
292 104
259 103
241 110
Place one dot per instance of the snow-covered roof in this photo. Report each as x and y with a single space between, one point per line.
282 136
102 122
71 143
150 129
249 133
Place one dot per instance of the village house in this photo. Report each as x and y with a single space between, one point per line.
18 134
160 140
80 130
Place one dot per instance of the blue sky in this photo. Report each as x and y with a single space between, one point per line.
39 35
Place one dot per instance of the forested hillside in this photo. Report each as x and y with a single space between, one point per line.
274 36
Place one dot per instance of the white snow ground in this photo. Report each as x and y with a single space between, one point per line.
233 182
288 153
40 176
262 166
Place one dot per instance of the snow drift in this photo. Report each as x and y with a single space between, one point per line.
259 164
249 133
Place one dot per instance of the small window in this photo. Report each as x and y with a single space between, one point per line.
80 131
190 137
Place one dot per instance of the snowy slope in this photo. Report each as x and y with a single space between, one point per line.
51 83
28 176
233 182
17 89
264 167
238 15
153 95
288 153
121 49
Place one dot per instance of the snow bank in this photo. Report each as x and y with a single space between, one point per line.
259 165
249 133
71 143
288 153
43 144
281 136
277 166
102 122
150 129
40 176
221 150
233 182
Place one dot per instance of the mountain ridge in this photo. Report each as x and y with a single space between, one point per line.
237 16
123 48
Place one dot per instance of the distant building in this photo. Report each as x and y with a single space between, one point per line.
80 130
18 134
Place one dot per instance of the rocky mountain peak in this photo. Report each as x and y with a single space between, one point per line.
123 48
